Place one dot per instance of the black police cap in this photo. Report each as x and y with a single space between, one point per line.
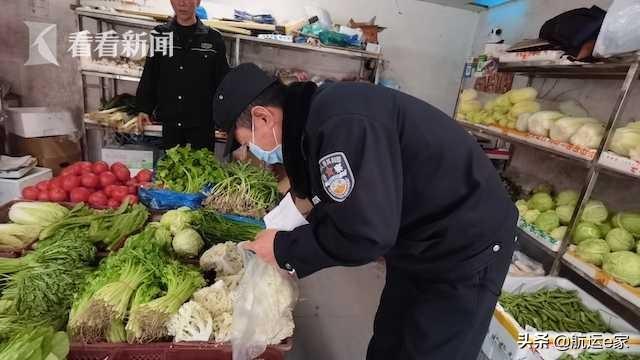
242 85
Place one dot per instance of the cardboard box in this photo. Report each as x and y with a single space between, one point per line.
11 189
504 331
30 122
54 152
134 156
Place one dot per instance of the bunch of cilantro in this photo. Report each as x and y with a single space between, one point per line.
184 169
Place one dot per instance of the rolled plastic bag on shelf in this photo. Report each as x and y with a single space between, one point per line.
620 32
163 199
262 308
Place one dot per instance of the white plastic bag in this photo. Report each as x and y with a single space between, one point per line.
262 308
620 32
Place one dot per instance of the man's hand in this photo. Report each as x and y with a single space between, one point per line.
143 119
263 246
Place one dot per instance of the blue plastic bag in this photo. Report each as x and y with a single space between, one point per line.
163 199
244 219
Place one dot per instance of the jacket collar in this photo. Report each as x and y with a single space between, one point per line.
297 104
201 29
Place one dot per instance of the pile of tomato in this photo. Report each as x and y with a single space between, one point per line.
97 184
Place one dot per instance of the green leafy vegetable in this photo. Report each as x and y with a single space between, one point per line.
40 343
246 190
541 202
628 221
531 216
559 233
593 251
624 266
522 207
37 213
565 212
547 221
177 219
620 240
215 228
187 243
586 230
184 169
595 212
567 197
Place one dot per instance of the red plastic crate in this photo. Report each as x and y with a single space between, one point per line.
168 351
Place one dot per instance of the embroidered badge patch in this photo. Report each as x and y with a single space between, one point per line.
207 46
336 175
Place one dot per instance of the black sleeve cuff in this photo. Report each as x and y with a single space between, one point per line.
299 251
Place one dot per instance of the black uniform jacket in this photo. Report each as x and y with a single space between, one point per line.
390 176
180 88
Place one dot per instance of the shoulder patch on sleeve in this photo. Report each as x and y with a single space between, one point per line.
336 175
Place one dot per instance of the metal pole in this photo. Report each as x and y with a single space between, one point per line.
237 52
594 171
379 63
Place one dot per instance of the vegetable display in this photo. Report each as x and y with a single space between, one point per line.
216 228
547 213
96 184
245 190
553 310
186 170
519 109
626 141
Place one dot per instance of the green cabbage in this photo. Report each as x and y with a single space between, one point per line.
524 94
522 207
559 233
565 212
177 219
624 266
547 221
624 140
187 243
541 201
542 188
604 228
531 216
593 251
630 222
595 212
37 213
620 240
567 197
584 231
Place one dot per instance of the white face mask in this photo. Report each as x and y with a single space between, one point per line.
270 157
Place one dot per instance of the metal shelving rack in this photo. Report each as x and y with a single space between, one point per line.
627 70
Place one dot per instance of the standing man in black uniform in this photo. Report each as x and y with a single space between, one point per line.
179 87
391 176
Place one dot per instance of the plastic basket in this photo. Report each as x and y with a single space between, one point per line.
168 351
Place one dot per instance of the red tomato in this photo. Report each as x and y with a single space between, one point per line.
114 204
43 186
79 194
131 182
107 178
119 193
30 193
56 182
144 175
73 169
43 196
57 195
99 167
133 190
118 165
70 182
122 173
90 180
98 199
85 172
109 190
85 166
132 199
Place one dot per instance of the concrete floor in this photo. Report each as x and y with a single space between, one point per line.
334 318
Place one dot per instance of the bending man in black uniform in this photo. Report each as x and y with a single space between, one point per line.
391 176
181 75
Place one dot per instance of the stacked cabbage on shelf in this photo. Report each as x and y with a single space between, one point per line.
626 141
612 242
546 213
519 109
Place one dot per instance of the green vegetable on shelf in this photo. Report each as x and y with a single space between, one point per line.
559 233
40 343
37 213
177 219
547 221
628 221
184 169
620 240
623 266
15 236
522 207
531 216
595 212
586 230
541 201
187 243
605 227
565 213
215 228
567 197
593 251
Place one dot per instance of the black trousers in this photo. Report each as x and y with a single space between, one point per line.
201 137
437 319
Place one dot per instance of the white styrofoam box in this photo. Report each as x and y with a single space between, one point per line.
32 122
134 157
11 189
502 339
